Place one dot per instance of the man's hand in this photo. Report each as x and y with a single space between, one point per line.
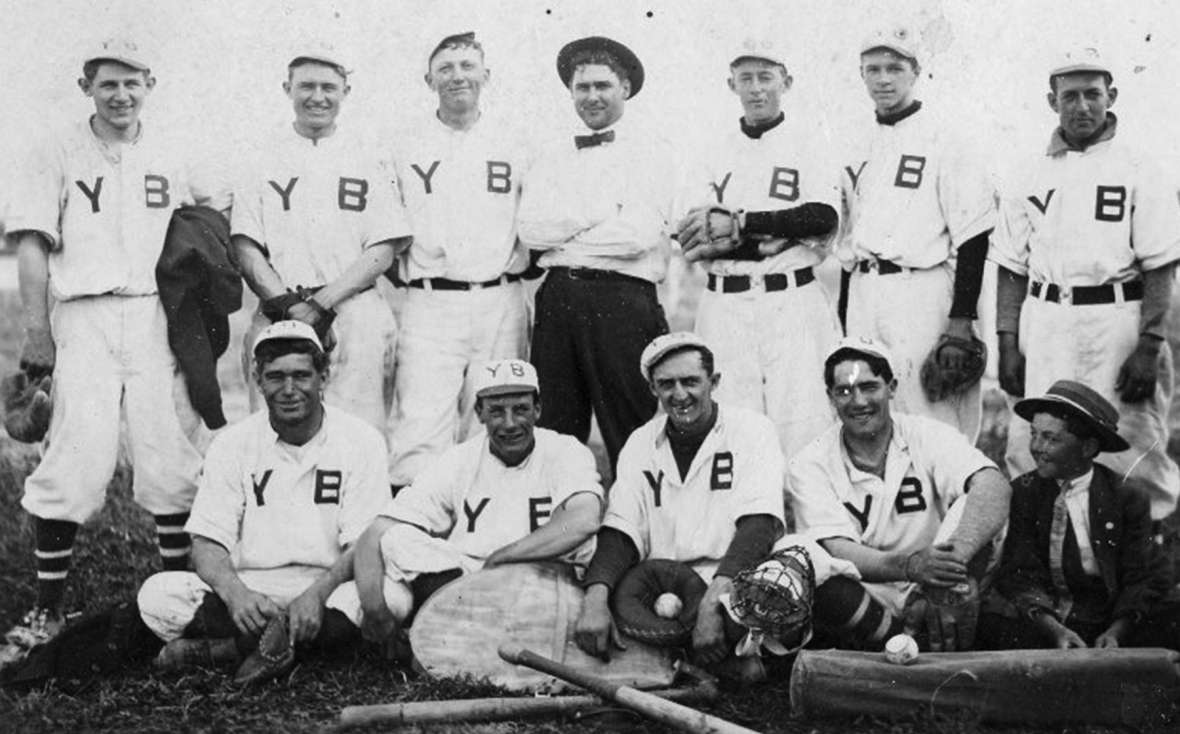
948 619
304 616
1011 369
595 630
951 357
708 636
251 611
39 353
1137 376
311 316
937 566
1114 634
1065 639
706 232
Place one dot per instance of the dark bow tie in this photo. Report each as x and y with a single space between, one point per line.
589 141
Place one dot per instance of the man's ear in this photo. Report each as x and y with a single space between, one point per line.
626 89
86 86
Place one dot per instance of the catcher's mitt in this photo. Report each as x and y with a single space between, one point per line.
940 383
636 594
27 406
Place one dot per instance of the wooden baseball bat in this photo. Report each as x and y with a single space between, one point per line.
495 709
653 707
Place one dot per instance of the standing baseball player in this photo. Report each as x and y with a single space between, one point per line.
702 485
283 495
1089 239
316 219
516 494
769 319
905 498
919 214
89 224
598 206
460 178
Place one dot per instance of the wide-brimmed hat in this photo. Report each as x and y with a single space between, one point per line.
1082 403
624 55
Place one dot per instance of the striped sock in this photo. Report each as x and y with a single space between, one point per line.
55 548
845 605
173 541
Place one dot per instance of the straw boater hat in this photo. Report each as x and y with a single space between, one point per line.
1083 403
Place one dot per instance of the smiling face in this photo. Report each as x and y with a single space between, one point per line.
457 76
760 85
599 95
685 389
119 92
861 399
316 92
889 79
1058 452
293 389
510 420
1081 102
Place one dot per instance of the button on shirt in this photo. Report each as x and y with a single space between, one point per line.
461 189
272 504
607 207
105 208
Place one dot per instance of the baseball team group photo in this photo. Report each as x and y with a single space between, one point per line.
605 369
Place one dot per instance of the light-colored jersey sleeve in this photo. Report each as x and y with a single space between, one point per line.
579 473
429 503
38 197
1155 219
221 497
966 194
368 487
948 457
812 487
1009 244
626 510
246 219
387 218
759 490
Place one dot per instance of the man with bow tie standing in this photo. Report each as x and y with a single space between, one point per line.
598 206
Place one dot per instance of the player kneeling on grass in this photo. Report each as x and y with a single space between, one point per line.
907 500
1080 565
513 494
283 495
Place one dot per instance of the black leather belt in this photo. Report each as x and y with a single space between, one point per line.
446 284
770 282
1088 295
883 267
596 274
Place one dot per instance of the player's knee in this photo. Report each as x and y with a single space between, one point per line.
845 609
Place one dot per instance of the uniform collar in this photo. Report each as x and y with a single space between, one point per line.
757 131
897 446
1076 485
272 436
893 118
661 436
1058 144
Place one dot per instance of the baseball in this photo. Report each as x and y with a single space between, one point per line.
668 606
901 650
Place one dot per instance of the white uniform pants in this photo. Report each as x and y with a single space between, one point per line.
1089 344
443 335
361 366
907 312
113 361
769 350
168 601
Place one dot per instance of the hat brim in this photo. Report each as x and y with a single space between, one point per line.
1108 440
1080 69
495 390
626 57
758 57
898 49
124 60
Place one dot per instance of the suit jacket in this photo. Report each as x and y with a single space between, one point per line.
199 288
1134 572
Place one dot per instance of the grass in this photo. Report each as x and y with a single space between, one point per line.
116 551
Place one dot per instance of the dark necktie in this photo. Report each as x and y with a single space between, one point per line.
589 141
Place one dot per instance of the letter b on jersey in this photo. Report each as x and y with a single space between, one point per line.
909 171
721 476
155 192
499 177
1110 203
351 194
327 486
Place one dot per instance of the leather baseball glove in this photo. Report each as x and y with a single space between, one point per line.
27 406
940 382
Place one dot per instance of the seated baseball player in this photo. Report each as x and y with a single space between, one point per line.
906 499
511 494
1080 566
283 495
700 484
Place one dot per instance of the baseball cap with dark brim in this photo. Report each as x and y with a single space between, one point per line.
861 345
662 345
625 56
506 377
1083 403
122 50
287 331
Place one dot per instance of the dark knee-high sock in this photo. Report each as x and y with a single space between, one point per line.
54 550
846 609
174 543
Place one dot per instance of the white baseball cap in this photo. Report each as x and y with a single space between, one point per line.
863 345
122 50
505 377
768 49
899 39
1085 59
320 51
287 330
664 344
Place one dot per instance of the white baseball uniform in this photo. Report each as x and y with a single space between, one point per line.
285 513
914 194
1098 217
737 471
926 472
468 504
105 209
314 207
770 345
461 188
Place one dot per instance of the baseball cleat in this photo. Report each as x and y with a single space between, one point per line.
274 657
197 653
38 626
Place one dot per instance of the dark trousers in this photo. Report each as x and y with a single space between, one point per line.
212 620
591 327
1160 628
